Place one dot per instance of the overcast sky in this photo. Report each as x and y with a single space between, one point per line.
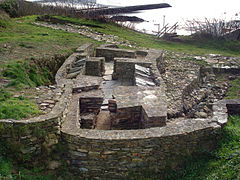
181 11
189 8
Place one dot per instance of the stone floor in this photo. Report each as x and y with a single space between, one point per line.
152 99
108 84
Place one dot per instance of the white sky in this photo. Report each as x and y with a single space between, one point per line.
181 11
188 8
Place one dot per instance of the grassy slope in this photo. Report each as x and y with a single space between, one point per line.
20 44
147 41
223 163
25 40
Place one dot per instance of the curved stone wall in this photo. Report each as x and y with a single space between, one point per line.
35 137
113 154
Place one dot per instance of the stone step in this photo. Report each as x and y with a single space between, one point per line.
142 69
137 73
80 60
79 63
75 66
143 72
105 102
75 69
73 75
143 82
107 78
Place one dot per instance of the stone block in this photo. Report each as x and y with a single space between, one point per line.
95 66
111 53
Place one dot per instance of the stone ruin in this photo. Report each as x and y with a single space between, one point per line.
120 112
118 89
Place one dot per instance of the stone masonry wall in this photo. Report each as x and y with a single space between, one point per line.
62 73
87 48
90 104
127 118
30 140
124 68
114 154
110 53
95 66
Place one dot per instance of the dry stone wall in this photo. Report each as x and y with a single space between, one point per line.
34 138
124 68
110 52
113 154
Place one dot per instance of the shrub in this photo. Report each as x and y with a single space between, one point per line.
4 19
10 7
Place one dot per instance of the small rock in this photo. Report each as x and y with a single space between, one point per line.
43 108
49 101
201 114
52 87
231 78
44 104
16 96
198 58
214 55
52 165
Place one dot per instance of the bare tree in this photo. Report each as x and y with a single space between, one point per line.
213 27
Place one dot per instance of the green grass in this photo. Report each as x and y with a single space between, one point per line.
192 46
26 73
234 90
4 19
9 170
16 107
25 40
223 163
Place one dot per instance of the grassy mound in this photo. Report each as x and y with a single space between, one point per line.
4 19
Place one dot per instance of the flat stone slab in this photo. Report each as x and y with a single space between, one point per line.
83 82
152 99
92 94
138 61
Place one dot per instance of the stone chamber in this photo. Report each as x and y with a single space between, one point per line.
121 111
